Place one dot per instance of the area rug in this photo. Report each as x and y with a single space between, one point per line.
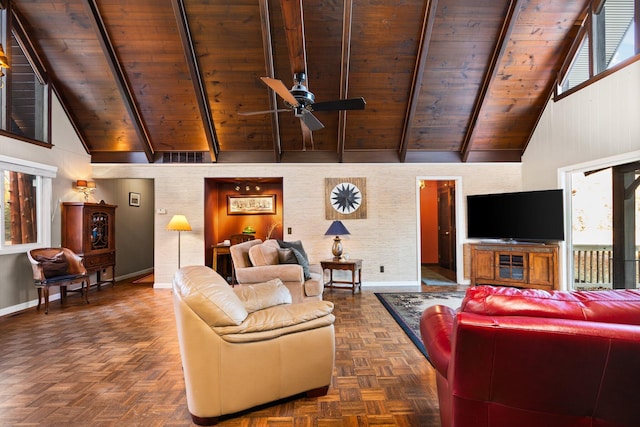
407 307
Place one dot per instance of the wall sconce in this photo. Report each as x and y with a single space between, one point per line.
4 63
85 187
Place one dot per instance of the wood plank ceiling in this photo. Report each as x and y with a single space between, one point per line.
443 80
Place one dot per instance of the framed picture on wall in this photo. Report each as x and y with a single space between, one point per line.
134 199
251 205
345 198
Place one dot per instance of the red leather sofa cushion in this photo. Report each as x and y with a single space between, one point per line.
529 358
617 306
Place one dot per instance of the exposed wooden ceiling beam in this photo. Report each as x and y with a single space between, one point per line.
344 74
501 45
269 66
293 18
418 73
294 29
196 78
121 80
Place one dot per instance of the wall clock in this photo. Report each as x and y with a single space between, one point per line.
345 198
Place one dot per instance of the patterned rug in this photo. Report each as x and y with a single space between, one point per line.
407 307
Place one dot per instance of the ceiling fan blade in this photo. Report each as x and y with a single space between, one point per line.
253 113
280 89
311 121
307 136
342 104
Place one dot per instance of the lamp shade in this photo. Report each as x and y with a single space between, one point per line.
337 228
179 223
81 183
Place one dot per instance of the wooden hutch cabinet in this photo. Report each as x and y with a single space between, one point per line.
520 265
88 229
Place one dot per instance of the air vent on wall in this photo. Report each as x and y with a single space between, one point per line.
184 157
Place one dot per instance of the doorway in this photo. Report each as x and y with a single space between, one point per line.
438 231
605 227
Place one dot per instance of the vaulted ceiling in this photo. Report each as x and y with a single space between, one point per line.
443 80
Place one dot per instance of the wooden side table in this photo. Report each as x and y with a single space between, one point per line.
226 270
352 265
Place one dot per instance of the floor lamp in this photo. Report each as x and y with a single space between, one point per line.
179 223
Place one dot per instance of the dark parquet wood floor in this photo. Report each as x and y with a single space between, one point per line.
116 362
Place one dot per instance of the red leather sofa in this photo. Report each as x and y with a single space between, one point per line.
532 358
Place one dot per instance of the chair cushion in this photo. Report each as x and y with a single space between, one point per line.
300 254
262 295
303 262
263 254
286 256
209 296
56 265
297 245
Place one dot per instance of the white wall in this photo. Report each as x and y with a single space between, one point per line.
599 121
389 235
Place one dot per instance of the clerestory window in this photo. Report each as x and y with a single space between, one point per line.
25 92
607 40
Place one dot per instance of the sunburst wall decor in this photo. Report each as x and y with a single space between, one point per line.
345 198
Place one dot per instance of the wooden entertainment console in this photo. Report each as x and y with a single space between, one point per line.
524 265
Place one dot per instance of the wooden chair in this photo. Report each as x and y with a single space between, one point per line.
57 267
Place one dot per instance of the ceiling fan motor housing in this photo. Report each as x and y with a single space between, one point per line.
302 95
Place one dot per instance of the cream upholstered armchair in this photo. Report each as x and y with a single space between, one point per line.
248 345
257 261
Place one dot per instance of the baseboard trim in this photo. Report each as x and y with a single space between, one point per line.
7 311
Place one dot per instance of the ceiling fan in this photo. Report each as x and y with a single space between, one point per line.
302 102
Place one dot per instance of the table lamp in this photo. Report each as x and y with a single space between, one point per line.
337 229
179 223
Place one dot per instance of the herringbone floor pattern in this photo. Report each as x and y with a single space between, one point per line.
116 362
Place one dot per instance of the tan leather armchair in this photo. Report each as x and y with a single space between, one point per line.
245 346
57 267
257 261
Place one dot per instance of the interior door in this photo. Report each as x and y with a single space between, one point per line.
446 225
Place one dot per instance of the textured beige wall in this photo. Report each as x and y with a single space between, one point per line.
388 236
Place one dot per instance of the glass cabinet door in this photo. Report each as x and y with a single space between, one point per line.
99 225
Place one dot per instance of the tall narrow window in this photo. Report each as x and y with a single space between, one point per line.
579 70
28 95
25 92
614 33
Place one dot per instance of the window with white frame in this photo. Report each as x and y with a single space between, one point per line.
26 204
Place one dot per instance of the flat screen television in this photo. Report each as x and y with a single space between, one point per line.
535 216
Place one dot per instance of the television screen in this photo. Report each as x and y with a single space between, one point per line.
535 216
